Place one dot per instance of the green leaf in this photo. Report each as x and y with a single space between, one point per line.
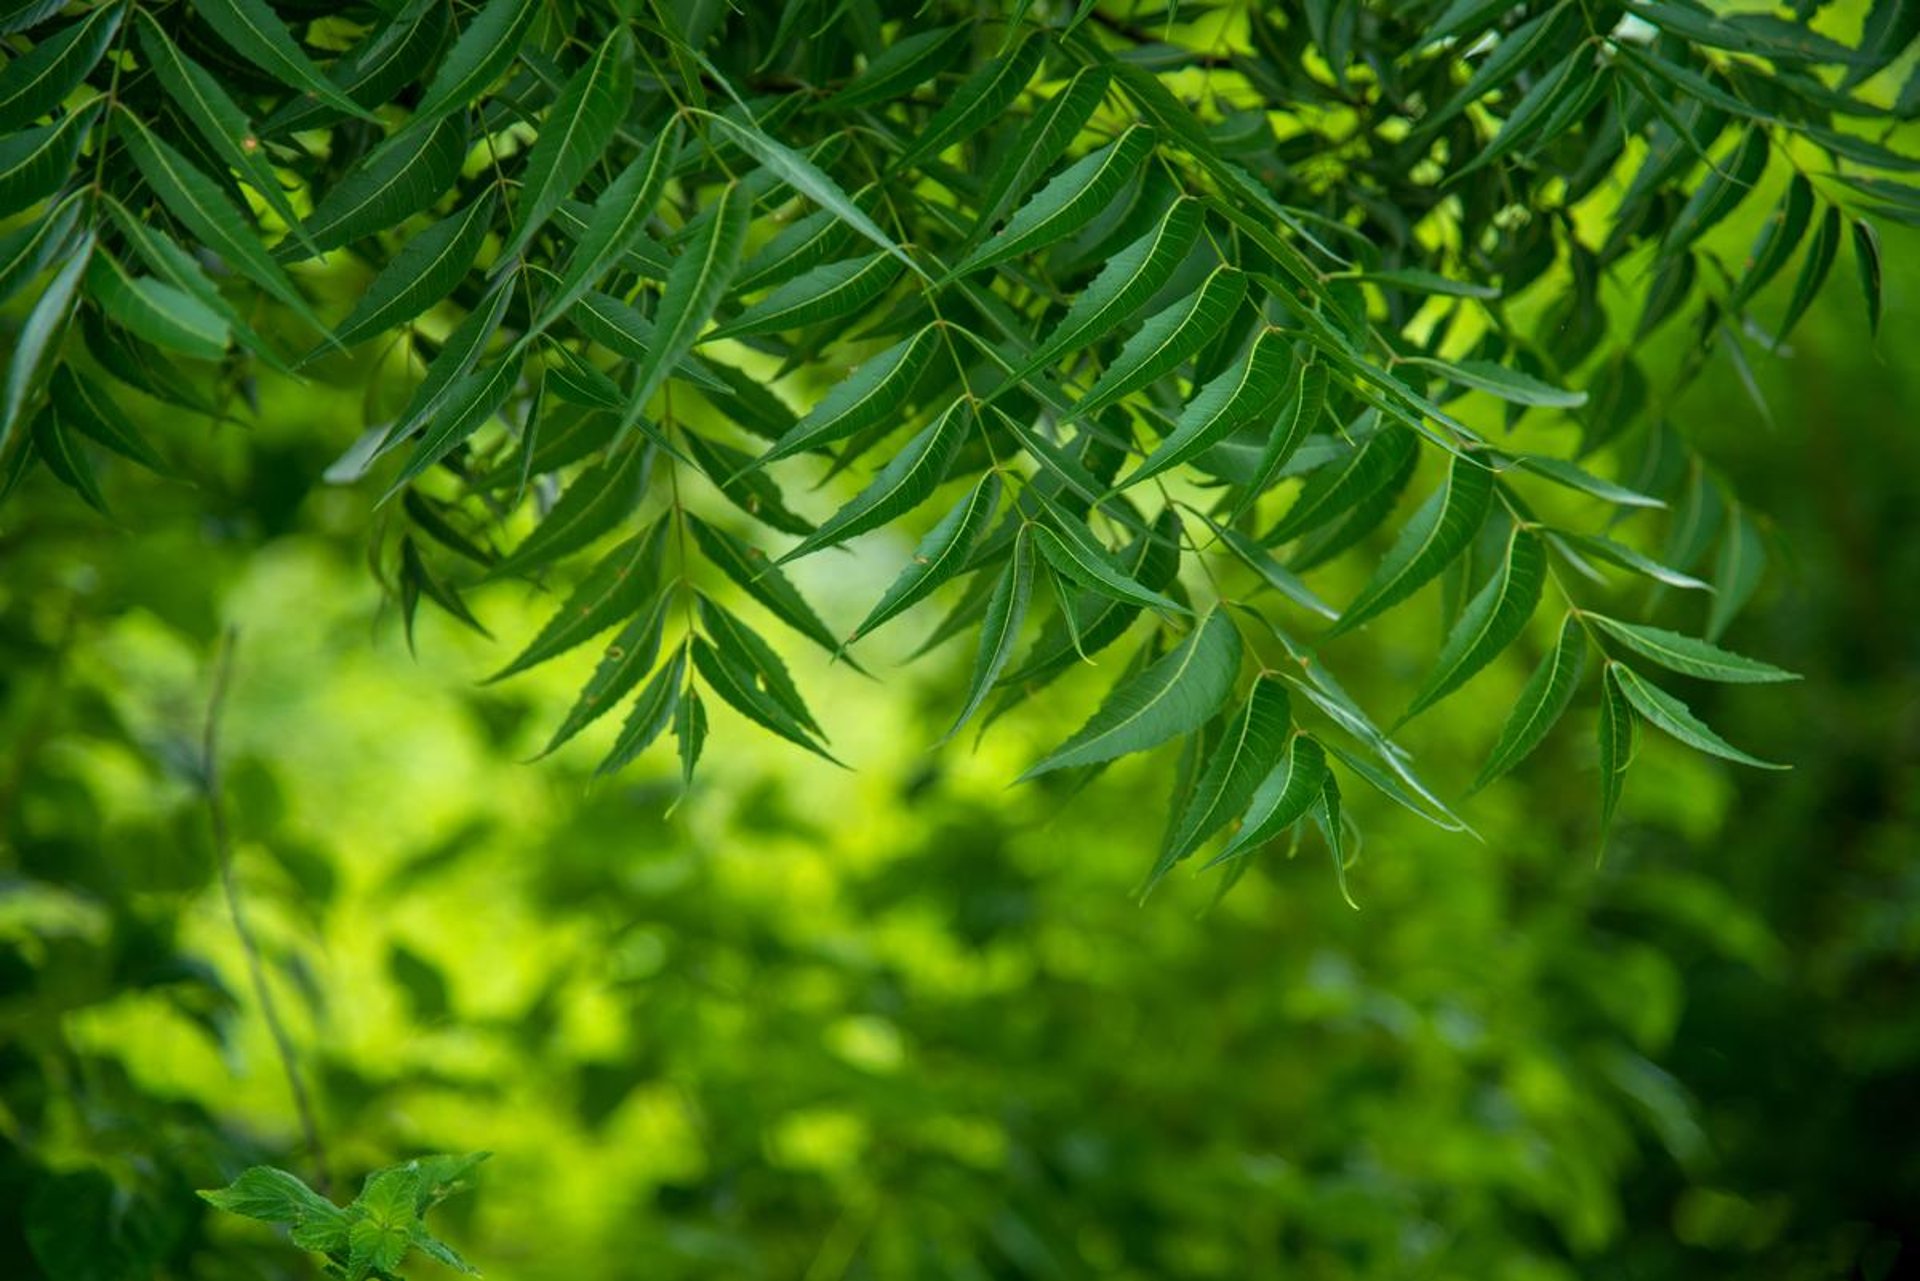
87 409
1689 656
980 100
1000 628
1043 139
738 686
1778 238
802 244
1421 281
1562 472
617 586
598 499
1282 799
698 278
485 48
34 162
404 175
804 177
1666 713
1618 733
26 251
1172 696
156 312
1541 703
908 479
374 70
577 129
255 32
1813 272
1129 279
1067 203
1508 384
618 222
1627 558
830 292
742 646
1443 527
624 331
66 460
470 402
905 64
750 570
689 731
428 268
658 704
37 81
1077 555
1168 339
1275 575
198 202
457 357
1736 572
272 1196
1492 620
1233 400
179 268
38 339
628 658
220 119
1301 401
1719 193
752 492
1866 258
939 555
870 395
1254 747
1330 491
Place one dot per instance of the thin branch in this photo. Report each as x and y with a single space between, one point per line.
212 783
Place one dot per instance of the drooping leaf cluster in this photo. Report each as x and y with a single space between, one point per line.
371 1236
1135 317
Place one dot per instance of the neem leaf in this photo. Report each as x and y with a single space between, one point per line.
1491 621
1691 657
485 48
940 554
470 402
832 291
1866 257
39 338
1168 339
1071 549
1508 384
618 585
1617 733
1249 752
255 32
618 222
1068 202
1736 571
698 279
1435 534
1228 403
628 658
577 129
1541 703
750 570
405 174
427 268
1000 628
156 311
34 162
867 396
656 706
40 79
979 101
1282 799
1174 695
908 479
597 500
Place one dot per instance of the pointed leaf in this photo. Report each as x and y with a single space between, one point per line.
64 457
1866 257
1689 656
1225 405
1668 714
597 500
1508 384
940 554
628 658
83 406
485 48
978 102
1282 799
1618 734
872 393
1067 203
1541 703
698 279
404 175
658 704
615 588
619 220
750 570
38 339
832 291
255 32
576 130
155 311
1074 553
1491 621
905 64
1168 339
1736 571
1043 139
1000 628
1172 696
1813 272
1253 748
427 268
1438 532
470 402
737 687
908 479
37 81
34 162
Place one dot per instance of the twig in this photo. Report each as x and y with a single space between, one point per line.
210 777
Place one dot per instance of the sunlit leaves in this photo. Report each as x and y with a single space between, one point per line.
1690 656
1668 714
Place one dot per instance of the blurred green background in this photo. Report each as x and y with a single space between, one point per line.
906 1021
